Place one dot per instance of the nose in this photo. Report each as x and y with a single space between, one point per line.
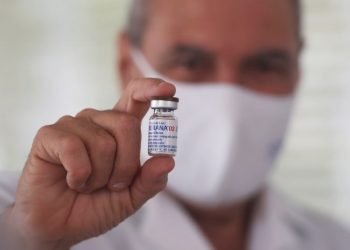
226 73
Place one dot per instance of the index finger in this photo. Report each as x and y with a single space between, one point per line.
136 98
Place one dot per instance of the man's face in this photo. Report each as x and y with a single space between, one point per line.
252 43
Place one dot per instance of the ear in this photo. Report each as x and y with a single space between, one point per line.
301 46
125 64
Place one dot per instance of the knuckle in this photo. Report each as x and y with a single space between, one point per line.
71 143
43 131
127 122
64 119
105 143
86 112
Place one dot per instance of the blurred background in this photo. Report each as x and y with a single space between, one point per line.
57 57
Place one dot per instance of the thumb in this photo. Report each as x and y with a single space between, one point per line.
137 96
151 180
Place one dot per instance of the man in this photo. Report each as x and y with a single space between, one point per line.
235 67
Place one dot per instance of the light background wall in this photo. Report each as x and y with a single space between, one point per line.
57 57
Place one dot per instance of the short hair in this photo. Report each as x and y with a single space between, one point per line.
140 11
137 20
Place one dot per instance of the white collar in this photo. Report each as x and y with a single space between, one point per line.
276 225
170 227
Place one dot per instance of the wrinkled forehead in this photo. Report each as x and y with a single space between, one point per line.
221 24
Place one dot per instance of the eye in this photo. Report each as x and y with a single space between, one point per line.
192 64
269 66
263 66
190 68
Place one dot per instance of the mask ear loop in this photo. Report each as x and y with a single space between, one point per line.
143 65
147 70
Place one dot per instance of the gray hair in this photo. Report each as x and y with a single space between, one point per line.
137 20
140 11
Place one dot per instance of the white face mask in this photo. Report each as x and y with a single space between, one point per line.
228 139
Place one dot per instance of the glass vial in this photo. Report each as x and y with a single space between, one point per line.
163 126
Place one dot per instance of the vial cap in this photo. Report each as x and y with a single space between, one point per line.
159 102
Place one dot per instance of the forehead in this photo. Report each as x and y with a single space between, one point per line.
222 24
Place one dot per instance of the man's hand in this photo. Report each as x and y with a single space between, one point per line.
83 175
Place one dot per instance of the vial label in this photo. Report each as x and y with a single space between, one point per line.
162 137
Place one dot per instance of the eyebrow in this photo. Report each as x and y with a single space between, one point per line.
195 51
189 50
268 55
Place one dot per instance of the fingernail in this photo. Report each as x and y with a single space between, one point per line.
159 85
164 178
119 186
163 83
82 187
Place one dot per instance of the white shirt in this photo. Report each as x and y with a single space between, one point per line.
162 224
